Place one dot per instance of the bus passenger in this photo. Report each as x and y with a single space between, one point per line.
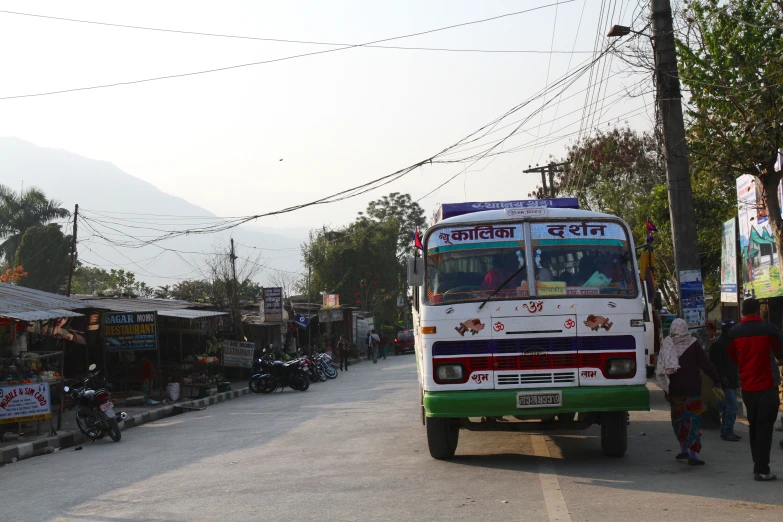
497 275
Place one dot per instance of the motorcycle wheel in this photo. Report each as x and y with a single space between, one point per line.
114 430
254 385
330 372
321 375
87 425
300 382
268 385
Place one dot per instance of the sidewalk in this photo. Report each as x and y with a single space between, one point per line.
33 445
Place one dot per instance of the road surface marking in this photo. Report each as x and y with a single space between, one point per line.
553 497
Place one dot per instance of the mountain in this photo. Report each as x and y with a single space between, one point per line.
117 204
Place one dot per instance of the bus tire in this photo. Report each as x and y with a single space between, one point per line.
614 433
442 437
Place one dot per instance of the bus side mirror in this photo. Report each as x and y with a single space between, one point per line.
415 271
658 304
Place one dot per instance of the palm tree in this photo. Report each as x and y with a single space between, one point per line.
20 211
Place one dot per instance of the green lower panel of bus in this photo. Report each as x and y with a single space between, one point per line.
498 403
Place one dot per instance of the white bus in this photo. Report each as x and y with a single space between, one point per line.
527 316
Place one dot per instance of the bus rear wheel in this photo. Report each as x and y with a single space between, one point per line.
614 433
442 437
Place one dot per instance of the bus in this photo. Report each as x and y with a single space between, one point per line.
527 315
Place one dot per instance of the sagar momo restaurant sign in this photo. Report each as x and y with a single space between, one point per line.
130 331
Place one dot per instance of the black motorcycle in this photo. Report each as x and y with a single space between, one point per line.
268 375
95 416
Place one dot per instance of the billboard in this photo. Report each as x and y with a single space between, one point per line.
273 305
237 354
758 252
728 262
692 292
130 331
331 301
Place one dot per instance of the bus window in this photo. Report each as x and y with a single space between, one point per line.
469 263
582 259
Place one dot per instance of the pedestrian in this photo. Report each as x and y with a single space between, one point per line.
753 346
729 381
147 375
679 377
375 341
384 345
342 349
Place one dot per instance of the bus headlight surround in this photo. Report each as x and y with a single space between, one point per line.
450 373
618 368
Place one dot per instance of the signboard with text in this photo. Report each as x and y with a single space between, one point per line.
130 331
273 305
728 262
25 402
237 354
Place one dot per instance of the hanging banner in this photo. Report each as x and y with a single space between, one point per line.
728 262
25 403
130 331
301 321
237 354
692 291
758 252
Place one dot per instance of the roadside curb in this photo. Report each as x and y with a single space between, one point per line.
66 439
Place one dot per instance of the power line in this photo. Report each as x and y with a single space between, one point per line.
282 40
284 58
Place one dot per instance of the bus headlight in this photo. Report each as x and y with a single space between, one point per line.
450 372
618 368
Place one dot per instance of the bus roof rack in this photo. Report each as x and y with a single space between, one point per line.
449 210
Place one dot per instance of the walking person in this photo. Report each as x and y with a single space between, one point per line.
375 342
384 345
342 349
753 346
369 344
679 377
729 381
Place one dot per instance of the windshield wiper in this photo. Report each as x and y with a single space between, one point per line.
504 283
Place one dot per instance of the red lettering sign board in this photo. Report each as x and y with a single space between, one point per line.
25 402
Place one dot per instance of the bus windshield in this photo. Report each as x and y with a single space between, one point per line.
467 263
585 258
569 259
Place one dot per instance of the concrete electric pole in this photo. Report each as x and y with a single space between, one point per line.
550 170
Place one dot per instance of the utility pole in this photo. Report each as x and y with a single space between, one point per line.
73 251
309 327
237 316
550 170
669 99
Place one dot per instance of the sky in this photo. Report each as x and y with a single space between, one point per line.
336 120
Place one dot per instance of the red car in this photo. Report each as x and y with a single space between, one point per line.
403 343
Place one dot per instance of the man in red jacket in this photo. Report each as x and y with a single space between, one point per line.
753 347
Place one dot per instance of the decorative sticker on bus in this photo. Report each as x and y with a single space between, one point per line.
473 326
595 322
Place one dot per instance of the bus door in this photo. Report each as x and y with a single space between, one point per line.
536 350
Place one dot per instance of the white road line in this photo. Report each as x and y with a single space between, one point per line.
553 497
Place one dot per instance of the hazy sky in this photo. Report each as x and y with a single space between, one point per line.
336 120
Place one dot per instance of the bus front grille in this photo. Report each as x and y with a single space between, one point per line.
521 379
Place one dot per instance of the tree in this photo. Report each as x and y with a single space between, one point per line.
289 282
731 56
95 281
12 275
622 172
21 211
404 212
45 251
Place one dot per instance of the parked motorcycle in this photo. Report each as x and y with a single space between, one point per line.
268 375
325 362
96 416
315 370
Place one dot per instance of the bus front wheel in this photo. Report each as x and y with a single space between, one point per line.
614 433
442 437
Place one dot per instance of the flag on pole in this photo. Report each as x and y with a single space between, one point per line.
417 239
650 230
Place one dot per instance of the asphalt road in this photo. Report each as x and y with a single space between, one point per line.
354 449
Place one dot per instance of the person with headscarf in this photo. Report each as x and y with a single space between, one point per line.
678 375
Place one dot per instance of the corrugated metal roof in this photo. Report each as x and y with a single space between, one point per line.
190 314
26 304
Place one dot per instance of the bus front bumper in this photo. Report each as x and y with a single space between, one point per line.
499 403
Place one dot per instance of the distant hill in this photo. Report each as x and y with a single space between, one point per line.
100 185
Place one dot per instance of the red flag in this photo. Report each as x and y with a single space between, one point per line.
417 239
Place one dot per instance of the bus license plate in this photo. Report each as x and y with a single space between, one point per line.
539 399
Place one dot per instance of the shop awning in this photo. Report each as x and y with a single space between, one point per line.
164 307
190 314
26 304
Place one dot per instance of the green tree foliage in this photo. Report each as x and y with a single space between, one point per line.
95 281
45 253
622 172
215 293
21 211
731 61
404 212
359 262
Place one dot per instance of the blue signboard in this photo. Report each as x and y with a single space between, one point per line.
273 304
448 210
301 321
